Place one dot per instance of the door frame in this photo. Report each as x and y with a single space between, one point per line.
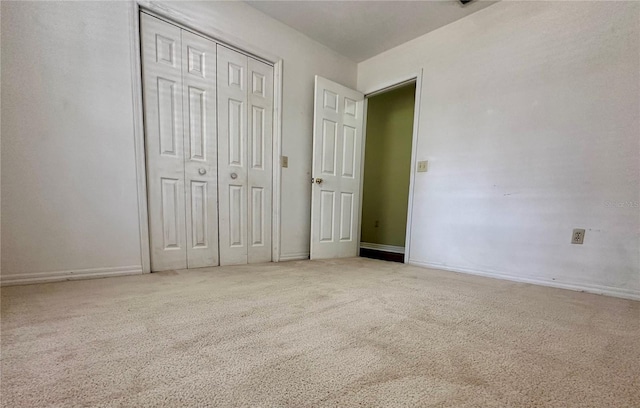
174 16
378 89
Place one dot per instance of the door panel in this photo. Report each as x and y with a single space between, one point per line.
171 215
346 216
329 136
257 216
337 154
235 133
349 152
162 87
167 126
200 158
257 137
326 215
260 170
196 109
199 215
232 156
236 233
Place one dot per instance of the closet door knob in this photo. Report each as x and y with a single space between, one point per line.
202 171
234 176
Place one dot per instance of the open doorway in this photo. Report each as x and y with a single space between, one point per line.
387 172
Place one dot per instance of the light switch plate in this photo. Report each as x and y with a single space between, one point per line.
422 166
285 161
578 236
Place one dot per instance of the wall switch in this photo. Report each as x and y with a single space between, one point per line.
285 161
422 166
578 236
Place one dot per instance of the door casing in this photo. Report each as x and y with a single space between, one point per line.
175 17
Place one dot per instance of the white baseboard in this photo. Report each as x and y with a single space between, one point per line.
580 287
58 276
294 257
382 247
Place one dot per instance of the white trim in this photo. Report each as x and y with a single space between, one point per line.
58 276
580 287
204 28
414 160
277 161
138 139
294 257
387 86
365 106
391 87
381 247
175 17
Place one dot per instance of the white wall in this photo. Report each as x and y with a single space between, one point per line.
69 198
530 120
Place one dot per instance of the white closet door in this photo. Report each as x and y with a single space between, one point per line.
200 150
162 82
232 156
260 127
337 153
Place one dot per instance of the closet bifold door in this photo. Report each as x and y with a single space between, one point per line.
232 156
245 133
260 119
162 92
200 150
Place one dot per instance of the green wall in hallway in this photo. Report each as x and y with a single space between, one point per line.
387 166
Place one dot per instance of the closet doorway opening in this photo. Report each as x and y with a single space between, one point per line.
390 116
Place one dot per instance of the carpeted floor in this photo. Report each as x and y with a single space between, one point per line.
338 333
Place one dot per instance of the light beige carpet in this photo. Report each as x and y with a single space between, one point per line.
338 333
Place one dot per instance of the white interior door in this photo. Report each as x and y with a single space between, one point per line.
162 83
232 155
337 154
260 120
200 149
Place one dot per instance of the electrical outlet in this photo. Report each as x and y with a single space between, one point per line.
285 161
578 236
422 166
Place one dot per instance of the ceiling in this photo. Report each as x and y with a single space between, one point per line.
361 29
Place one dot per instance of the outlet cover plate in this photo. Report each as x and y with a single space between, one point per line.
578 236
423 166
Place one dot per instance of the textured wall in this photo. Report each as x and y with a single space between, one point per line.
530 120
69 198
